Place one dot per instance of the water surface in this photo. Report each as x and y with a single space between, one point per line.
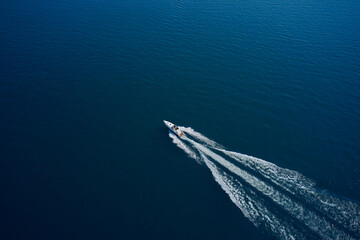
85 87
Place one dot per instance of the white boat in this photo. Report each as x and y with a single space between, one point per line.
175 129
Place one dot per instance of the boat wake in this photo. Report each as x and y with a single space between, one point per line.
184 147
280 201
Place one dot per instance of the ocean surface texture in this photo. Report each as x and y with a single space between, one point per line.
267 93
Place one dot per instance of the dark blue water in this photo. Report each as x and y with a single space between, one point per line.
85 85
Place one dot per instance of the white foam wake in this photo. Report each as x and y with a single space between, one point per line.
253 209
200 137
341 211
184 147
316 223
326 216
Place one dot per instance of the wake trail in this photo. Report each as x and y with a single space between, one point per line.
339 210
314 222
338 219
184 147
200 137
252 209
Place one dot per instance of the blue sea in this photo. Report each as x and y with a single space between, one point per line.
267 93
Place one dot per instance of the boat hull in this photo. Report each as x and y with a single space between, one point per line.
173 128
